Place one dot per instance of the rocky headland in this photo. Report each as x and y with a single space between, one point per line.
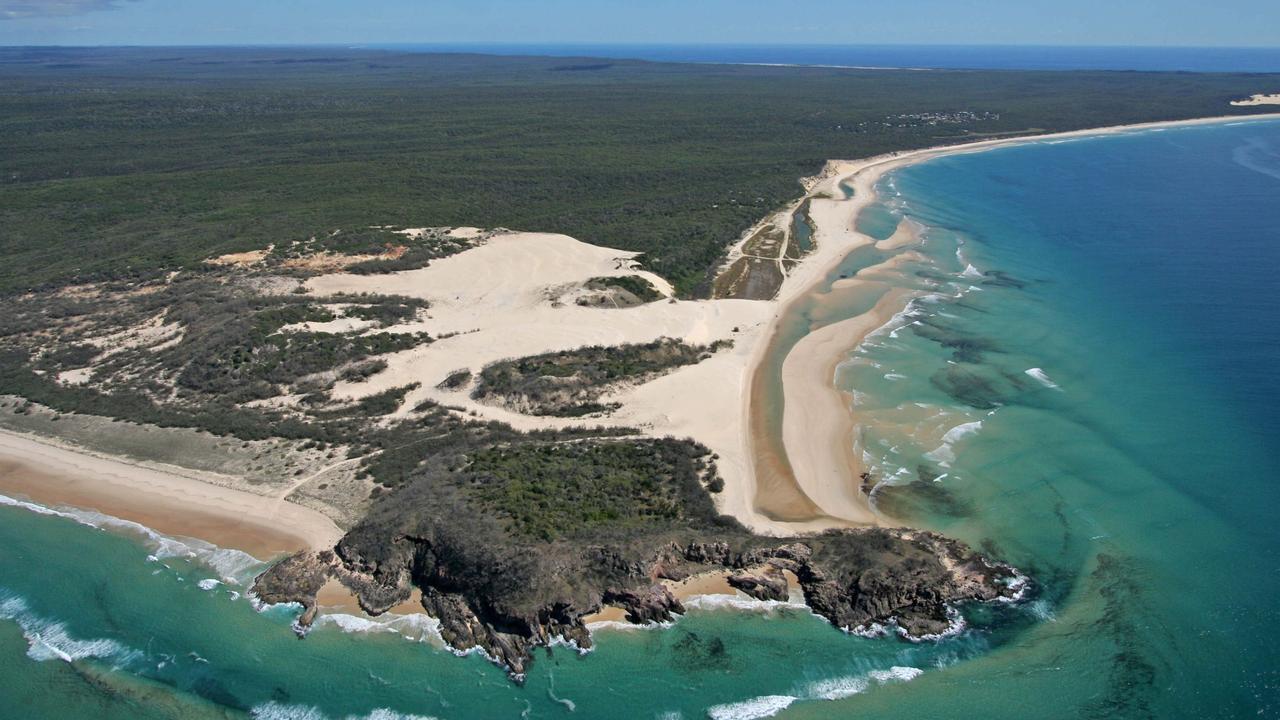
507 599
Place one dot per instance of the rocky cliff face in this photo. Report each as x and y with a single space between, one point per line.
507 600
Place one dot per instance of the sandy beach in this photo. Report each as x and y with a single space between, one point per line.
59 475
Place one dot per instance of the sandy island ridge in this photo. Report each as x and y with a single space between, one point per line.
499 300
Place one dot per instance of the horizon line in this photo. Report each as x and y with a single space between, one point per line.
625 44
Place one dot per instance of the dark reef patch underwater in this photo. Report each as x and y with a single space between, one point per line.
1089 390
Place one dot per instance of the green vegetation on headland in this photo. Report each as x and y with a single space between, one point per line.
126 162
560 489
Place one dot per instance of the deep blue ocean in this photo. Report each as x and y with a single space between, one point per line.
998 57
1086 383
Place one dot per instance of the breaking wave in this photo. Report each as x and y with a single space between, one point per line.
624 626
234 566
1041 377
743 604
418 627
829 689
50 640
945 454
753 709
843 687
280 711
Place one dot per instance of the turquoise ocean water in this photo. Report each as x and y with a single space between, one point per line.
1087 386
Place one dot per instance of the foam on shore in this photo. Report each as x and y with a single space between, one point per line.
234 566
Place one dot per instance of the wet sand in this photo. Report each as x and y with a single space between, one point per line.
58 475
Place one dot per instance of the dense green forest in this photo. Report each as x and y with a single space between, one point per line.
120 162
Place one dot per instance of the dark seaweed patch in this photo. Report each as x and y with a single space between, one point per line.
215 692
922 497
967 348
999 278
695 652
933 276
971 385
1132 676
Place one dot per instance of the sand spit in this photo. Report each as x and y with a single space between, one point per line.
60 475
811 467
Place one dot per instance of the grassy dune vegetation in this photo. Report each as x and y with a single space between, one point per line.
123 162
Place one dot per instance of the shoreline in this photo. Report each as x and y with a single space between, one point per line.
818 439
58 474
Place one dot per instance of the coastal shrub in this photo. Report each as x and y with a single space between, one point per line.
554 490
642 289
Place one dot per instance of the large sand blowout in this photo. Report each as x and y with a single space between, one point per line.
511 297
506 299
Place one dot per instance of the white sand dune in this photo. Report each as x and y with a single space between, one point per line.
1258 99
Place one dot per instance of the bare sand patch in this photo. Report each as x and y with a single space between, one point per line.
1258 99
248 258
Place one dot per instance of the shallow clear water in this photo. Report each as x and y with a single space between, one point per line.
1133 473
1092 389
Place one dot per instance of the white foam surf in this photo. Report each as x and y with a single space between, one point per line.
897 673
753 709
742 603
873 631
234 566
945 454
570 705
1042 377
418 627
624 626
843 687
281 711
50 640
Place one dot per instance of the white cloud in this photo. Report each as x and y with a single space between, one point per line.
17 9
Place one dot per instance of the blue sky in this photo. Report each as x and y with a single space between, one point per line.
1045 22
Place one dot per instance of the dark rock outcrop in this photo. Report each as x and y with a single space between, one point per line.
765 584
507 600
